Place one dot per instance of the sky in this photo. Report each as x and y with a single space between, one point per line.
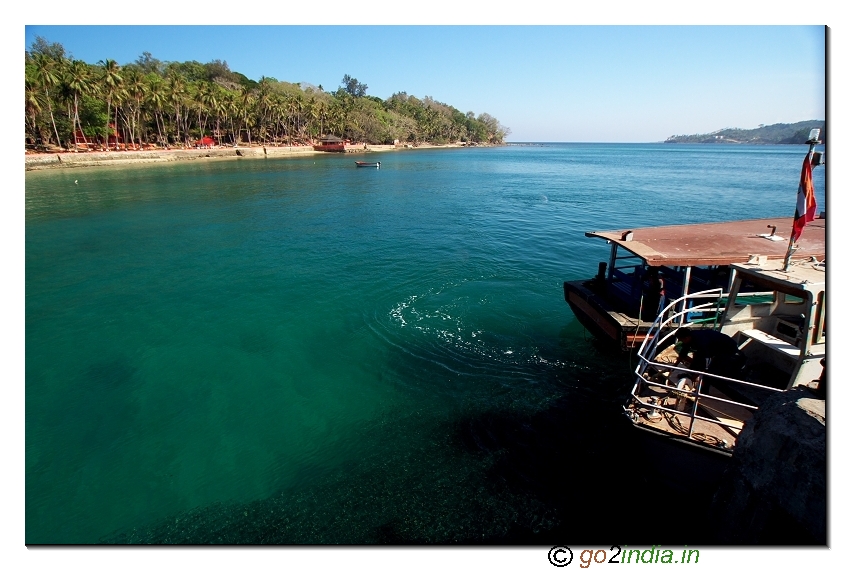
545 83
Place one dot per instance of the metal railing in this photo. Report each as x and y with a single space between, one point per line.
660 333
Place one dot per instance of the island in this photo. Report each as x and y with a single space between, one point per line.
780 133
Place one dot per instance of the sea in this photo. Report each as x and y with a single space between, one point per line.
299 351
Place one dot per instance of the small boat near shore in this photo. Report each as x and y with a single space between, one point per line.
367 164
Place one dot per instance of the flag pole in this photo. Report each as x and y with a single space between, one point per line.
812 142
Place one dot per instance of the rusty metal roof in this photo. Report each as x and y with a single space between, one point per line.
721 243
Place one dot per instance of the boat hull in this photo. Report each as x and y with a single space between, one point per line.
596 314
683 464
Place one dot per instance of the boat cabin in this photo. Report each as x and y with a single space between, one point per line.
688 258
787 329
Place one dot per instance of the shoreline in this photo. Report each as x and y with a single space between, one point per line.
58 160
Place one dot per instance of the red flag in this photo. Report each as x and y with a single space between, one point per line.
806 204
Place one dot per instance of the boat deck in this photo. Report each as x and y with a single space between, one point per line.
722 437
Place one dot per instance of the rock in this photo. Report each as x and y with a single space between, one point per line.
774 492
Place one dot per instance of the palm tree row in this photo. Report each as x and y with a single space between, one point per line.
70 103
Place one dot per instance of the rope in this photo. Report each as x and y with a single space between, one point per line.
676 425
719 412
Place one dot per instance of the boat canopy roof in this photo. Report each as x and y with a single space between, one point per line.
720 243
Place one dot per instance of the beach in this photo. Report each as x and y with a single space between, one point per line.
45 161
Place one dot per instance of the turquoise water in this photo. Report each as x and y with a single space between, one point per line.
300 351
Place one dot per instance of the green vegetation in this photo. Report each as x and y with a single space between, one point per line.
781 133
150 102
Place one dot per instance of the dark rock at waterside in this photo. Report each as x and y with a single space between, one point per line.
774 493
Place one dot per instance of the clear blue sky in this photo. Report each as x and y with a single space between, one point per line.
553 83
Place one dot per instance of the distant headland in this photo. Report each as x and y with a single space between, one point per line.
780 133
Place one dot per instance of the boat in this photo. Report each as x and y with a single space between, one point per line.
763 335
613 305
367 164
781 331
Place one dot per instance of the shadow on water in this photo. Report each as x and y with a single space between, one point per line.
583 463
565 471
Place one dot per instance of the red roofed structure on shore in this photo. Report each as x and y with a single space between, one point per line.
331 143
113 140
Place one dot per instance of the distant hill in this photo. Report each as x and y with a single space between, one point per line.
781 133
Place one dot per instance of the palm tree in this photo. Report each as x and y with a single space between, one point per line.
323 114
217 105
250 123
156 98
81 82
334 119
312 112
299 101
277 117
264 103
230 108
33 103
48 76
206 101
245 105
176 94
199 103
110 84
292 107
136 91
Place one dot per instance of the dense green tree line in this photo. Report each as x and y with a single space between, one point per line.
176 104
780 133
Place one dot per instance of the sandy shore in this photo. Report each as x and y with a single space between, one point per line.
117 158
